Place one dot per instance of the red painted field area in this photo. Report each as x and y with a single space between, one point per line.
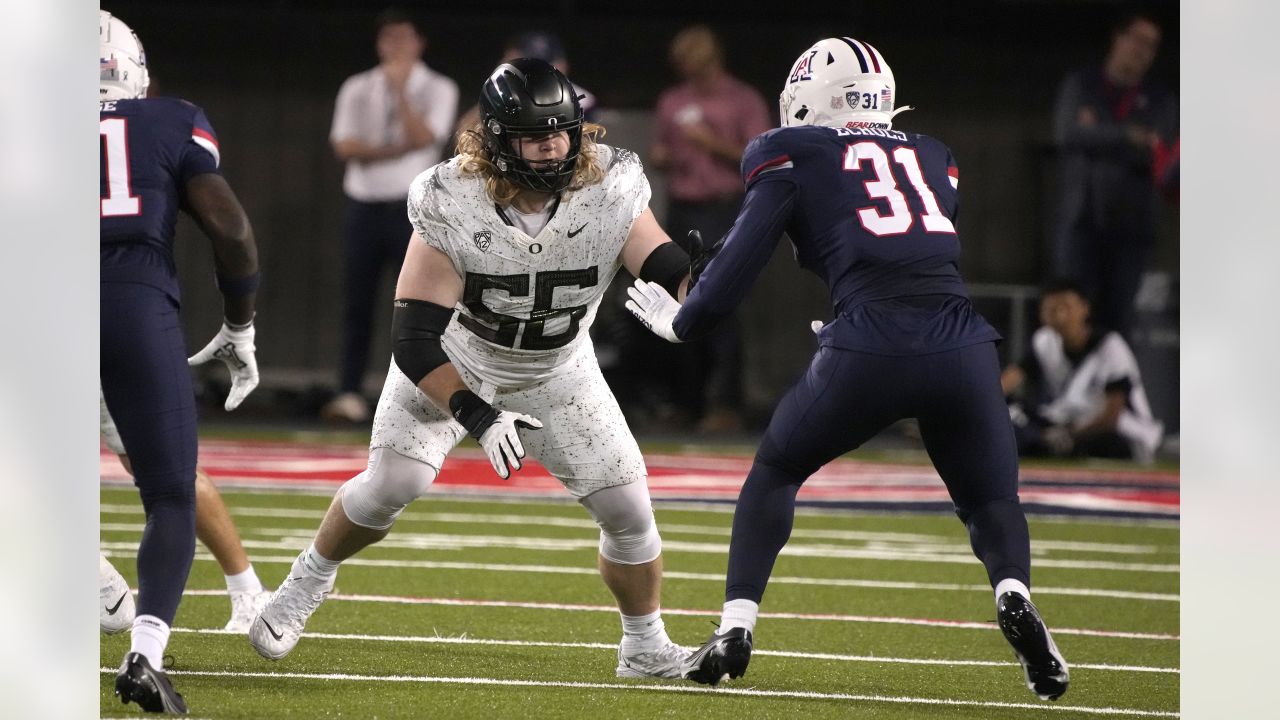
844 483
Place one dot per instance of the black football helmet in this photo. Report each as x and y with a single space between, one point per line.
530 98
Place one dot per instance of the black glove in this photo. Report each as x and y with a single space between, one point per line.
699 255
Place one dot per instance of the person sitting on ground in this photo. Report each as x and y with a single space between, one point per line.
1084 395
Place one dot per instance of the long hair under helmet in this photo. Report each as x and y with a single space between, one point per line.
530 98
122 64
840 82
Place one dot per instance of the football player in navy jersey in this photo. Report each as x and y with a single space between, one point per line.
160 155
871 210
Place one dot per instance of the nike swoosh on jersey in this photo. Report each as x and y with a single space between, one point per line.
575 232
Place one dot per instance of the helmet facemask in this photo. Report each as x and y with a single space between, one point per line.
524 100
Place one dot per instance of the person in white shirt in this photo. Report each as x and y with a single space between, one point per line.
1084 394
389 124
515 242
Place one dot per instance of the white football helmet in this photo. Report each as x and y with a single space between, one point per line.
122 62
840 82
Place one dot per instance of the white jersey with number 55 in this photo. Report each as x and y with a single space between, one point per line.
527 301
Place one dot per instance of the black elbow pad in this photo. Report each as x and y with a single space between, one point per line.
667 265
416 327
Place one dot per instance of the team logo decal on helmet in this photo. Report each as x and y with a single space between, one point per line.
804 67
839 82
529 98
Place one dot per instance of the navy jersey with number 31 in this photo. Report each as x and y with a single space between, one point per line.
150 149
870 211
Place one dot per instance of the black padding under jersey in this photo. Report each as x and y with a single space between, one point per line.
667 265
416 327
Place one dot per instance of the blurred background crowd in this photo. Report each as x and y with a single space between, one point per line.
1062 116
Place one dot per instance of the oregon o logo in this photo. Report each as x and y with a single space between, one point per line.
535 248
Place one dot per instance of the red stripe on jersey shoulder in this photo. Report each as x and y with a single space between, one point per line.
197 132
780 160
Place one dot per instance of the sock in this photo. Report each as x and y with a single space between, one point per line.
317 565
1011 585
150 636
739 614
642 631
243 582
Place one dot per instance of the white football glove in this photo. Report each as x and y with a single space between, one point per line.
501 441
235 348
654 307
816 326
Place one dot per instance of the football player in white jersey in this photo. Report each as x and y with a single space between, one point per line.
519 235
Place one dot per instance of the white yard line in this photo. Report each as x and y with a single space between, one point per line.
751 692
835 617
719 531
293 537
326 489
129 549
463 640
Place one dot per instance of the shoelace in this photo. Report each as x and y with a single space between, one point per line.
300 612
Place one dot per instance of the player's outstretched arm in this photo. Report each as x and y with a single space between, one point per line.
215 207
426 292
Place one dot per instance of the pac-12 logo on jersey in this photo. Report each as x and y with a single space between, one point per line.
483 239
804 67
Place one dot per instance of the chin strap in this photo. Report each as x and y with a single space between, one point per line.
902 109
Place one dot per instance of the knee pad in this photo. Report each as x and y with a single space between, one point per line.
376 497
628 533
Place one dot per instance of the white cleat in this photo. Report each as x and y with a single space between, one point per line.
245 607
115 602
279 626
667 662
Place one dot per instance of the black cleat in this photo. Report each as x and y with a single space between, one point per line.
1044 667
724 656
150 688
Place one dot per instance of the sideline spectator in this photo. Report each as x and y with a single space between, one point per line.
389 124
1107 122
703 124
1085 394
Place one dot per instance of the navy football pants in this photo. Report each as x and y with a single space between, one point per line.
843 400
147 386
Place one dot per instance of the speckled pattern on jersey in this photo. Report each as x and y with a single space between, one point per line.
520 337
527 302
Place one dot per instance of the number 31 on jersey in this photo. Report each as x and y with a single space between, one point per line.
885 187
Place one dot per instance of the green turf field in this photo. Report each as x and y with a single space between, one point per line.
493 609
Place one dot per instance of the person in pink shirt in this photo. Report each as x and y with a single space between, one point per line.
703 124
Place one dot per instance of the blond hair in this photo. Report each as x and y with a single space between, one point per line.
474 159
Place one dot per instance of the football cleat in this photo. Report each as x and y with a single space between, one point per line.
1045 669
245 607
138 682
115 602
665 662
279 626
723 657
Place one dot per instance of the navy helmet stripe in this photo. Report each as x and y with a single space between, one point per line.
862 59
875 59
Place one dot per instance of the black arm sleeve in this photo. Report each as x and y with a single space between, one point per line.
766 210
667 265
416 327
